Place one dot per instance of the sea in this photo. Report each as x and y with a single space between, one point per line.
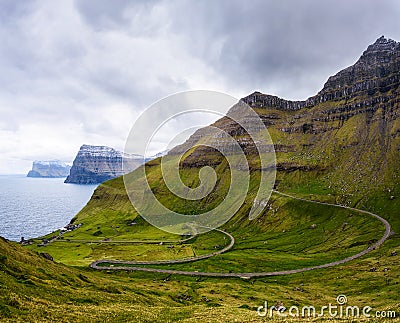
32 207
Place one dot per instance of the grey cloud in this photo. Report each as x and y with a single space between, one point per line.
80 72
13 10
104 14
277 43
117 14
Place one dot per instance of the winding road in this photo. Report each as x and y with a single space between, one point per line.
97 264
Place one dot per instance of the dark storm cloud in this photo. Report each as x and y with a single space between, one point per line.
287 46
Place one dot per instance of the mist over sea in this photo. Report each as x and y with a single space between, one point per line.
31 207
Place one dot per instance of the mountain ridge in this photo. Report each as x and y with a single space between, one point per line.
377 55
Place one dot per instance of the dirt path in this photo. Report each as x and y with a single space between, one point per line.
95 265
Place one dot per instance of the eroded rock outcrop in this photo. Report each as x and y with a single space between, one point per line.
96 164
376 73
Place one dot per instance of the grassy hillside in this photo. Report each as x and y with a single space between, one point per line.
280 239
36 289
347 163
283 233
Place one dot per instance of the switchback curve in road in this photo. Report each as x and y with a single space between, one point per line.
95 265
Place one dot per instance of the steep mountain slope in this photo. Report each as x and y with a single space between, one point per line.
351 127
344 141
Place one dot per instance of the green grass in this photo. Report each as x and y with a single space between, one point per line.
34 288
346 163
284 239
82 254
281 238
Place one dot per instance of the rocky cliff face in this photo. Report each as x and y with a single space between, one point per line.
349 132
49 169
375 73
364 88
96 164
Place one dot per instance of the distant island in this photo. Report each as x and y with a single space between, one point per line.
49 169
97 164
92 165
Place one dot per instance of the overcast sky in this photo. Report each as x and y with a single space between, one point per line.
75 72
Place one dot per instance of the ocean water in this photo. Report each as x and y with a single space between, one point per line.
31 207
